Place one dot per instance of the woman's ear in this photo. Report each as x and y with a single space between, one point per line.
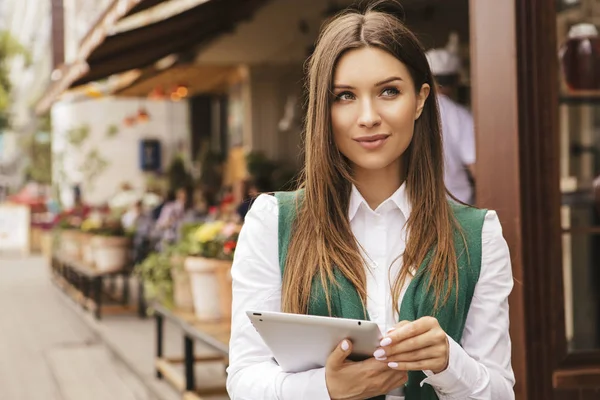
421 98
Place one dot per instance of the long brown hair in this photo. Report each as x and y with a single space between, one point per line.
322 238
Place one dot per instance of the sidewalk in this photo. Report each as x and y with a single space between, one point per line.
133 341
48 352
57 351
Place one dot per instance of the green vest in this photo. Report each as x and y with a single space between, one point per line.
417 302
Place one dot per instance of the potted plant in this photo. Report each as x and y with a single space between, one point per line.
209 266
66 236
155 273
165 278
111 245
182 288
88 227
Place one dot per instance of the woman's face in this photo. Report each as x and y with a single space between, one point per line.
374 108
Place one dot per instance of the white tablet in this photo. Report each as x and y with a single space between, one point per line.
302 342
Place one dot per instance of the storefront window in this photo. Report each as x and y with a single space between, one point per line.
579 130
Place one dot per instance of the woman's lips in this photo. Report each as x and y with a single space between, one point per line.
372 142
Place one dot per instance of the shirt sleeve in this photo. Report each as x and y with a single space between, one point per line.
467 137
252 372
481 369
165 215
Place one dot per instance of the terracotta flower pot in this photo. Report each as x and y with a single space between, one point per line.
212 298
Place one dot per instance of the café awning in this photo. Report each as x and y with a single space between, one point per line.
143 46
196 79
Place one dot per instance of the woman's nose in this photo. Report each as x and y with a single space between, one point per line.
369 117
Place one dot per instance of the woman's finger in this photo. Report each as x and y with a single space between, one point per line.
427 353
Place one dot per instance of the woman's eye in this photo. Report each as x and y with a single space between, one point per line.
390 92
344 96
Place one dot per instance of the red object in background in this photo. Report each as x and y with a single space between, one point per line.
129 121
79 212
29 197
229 246
143 115
227 199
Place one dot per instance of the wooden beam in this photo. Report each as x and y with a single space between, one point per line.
171 374
69 73
581 378
495 93
58 33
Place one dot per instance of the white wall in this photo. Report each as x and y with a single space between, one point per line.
169 122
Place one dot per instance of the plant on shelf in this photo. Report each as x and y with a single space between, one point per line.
155 272
105 223
216 239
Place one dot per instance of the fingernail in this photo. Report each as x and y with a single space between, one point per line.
385 342
345 345
393 364
390 330
379 353
381 358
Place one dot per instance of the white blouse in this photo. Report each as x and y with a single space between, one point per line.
479 368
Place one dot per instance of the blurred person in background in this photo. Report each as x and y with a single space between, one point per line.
199 208
156 211
457 123
130 218
250 194
171 216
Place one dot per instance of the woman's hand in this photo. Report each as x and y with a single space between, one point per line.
420 345
349 380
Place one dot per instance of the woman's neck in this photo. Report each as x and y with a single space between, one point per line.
377 186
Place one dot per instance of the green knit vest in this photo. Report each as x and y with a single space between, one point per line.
417 301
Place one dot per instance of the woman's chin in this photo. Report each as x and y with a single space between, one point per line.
373 165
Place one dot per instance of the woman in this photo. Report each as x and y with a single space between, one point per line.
171 215
373 215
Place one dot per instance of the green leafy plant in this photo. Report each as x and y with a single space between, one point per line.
39 155
155 272
9 49
178 175
112 131
111 228
76 136
93 166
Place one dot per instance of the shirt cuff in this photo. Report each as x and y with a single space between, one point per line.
309 388
459 378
